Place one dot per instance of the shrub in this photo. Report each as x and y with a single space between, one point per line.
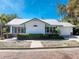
45 36
38 36
57 37
35 36
22 37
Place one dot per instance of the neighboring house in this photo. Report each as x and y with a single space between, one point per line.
38 26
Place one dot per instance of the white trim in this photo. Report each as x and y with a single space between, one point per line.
10 29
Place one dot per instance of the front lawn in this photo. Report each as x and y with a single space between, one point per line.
45 43
15 44
61 43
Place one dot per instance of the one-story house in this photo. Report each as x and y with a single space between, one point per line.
39 26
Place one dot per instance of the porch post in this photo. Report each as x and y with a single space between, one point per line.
26 29
16 30
52 30
10 29
49 29
20 30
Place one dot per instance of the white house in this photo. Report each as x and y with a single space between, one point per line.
39 26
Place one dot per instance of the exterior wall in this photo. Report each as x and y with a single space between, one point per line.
40 29
30 29
66 30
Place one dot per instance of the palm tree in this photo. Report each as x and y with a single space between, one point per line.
3 20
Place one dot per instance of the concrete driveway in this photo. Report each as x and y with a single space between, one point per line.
74 37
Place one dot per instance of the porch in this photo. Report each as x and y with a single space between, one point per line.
52 30
17 30
22 30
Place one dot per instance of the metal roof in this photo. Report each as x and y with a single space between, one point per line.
52 22
17 21
49 21
66 24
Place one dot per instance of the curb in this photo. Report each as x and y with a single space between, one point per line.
38 48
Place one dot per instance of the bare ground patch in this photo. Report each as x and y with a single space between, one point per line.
15 44
61 43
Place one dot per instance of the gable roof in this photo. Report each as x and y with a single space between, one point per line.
21 21
48 21
17 21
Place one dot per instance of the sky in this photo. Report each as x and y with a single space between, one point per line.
31 8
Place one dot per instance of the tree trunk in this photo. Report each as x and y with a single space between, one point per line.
1 33
7 35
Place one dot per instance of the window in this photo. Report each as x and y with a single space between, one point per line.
23 30
14 30
51 29
19 30
8 29
46 29
35 25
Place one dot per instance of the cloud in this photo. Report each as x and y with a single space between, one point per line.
15 5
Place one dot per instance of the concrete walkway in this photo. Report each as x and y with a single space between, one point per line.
36 44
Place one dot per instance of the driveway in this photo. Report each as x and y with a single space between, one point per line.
65 53
74 37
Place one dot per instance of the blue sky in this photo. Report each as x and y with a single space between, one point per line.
31 8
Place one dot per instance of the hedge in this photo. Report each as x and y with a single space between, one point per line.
35 36
38 36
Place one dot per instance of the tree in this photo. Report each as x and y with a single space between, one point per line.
71 11
61 10
3 20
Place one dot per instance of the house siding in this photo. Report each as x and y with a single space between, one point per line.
30 29
66 30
